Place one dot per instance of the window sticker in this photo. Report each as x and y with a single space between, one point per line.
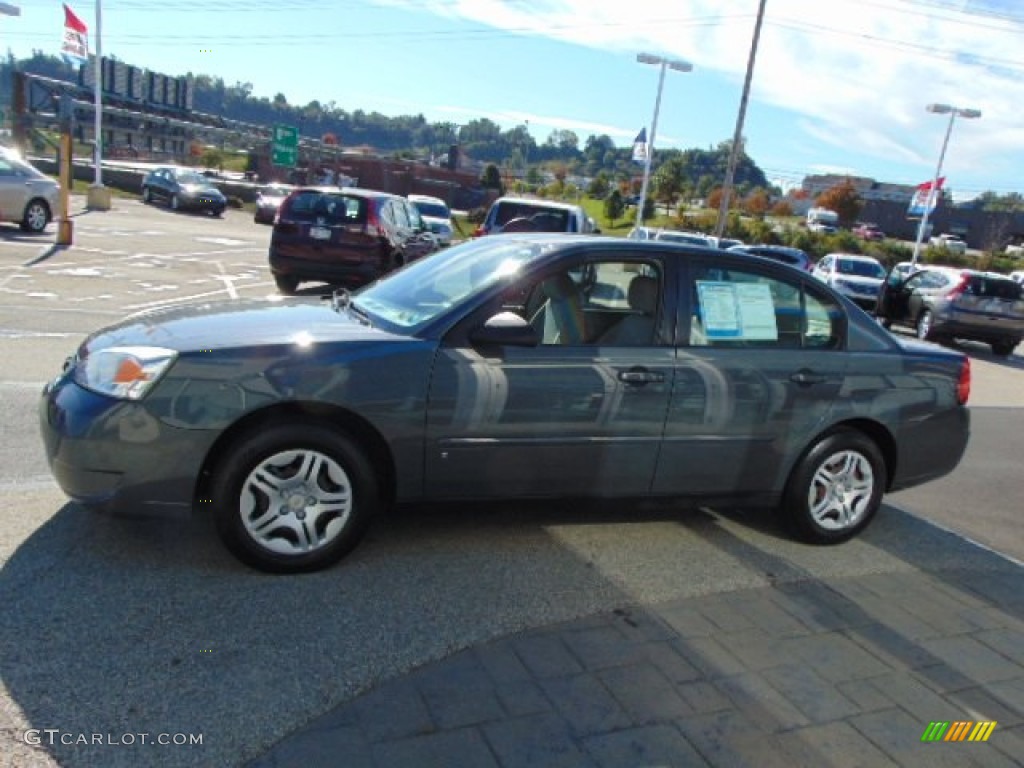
742 311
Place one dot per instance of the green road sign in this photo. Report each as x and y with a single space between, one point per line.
284 147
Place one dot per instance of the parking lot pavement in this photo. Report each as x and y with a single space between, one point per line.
801 671
604 635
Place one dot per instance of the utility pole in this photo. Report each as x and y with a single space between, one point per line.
734 154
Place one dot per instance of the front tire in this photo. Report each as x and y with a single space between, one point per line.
36 216
175 203
835 489
294 498
147 196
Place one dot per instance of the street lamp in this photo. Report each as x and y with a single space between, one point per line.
678 66
953 112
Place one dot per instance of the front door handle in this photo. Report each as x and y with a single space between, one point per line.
805 377
641 376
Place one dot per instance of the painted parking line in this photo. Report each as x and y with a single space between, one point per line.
229 284
187 299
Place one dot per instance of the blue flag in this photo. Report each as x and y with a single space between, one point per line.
640 147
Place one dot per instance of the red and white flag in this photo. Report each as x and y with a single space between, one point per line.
924 199
75 48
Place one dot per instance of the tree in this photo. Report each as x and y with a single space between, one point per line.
599 186
844 200
614 207
491 178
756 203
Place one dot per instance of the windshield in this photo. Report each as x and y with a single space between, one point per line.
434 210
190 177
425 290
275 191
859 268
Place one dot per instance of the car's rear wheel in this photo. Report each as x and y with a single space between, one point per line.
293 498
924 326
36 216
1003 348
836 488
286 283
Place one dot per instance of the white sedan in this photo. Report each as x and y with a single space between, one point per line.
951 243
27 196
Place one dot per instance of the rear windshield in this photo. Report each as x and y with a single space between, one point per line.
547 219
334 208
434 210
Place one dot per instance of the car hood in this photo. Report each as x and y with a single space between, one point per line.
237 324
869 282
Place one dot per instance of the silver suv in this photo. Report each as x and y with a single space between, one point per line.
943 303
527 214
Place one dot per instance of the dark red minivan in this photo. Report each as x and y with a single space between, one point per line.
346 236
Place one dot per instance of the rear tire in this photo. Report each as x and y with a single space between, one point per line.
1003 348
286 284
835 489
924 326
293 498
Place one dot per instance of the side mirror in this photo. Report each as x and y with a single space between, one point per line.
505 329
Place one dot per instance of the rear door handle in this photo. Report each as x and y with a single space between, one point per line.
641 376
805 377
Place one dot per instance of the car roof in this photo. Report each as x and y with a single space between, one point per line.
426 199
539 201
350 191
855 257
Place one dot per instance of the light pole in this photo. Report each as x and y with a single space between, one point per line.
953 112
678 66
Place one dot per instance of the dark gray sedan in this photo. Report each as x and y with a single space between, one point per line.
518 366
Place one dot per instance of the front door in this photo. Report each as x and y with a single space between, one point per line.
580 413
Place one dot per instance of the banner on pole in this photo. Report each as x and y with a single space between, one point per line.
75 48
640 147
923 199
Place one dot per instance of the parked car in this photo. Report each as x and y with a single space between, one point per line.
943 303
268 201
350 236
183 189
437 215
520 366
857 277
949 242
792 256
1017 277
527 214
671 236
28 196
869 232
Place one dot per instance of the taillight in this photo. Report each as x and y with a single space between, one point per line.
959 288
479 231
373 225
963 386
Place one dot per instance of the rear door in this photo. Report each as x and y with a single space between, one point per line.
755 380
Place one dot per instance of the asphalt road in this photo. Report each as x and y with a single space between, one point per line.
113 628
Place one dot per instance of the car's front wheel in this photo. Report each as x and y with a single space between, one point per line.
293 497
175 202
835 489
1003 348
36 216
147 195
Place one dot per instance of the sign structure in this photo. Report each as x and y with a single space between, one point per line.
284 147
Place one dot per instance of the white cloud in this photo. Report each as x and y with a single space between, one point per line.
858 73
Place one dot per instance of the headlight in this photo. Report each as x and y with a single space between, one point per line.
124 372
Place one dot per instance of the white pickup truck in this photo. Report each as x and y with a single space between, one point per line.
951 243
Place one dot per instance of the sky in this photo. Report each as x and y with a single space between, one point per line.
839 86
